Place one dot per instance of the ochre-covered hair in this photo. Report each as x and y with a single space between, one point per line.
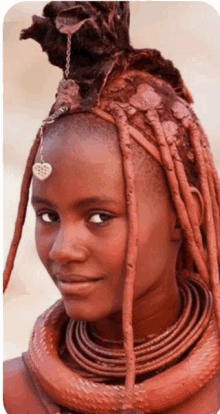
145 97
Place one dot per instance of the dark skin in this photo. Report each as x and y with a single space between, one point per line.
81 234
81 231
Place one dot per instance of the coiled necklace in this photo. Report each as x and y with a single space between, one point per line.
198 344
101 363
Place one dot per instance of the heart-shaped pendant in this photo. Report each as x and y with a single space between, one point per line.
42 170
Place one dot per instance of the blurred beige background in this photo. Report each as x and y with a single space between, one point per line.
186 32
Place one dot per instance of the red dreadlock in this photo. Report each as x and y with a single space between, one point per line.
146 96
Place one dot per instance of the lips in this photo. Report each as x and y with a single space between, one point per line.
72 278
76 285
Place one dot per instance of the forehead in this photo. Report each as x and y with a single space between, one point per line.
91 145
84 154
83 131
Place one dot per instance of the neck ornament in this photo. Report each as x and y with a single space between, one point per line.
188 355
101 363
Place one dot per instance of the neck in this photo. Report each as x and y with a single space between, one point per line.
153 313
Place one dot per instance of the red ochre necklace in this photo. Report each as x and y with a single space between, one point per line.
177 363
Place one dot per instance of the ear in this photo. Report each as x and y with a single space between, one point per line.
199 208
176 230
198 203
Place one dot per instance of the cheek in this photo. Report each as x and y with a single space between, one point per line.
112 251
153 249
40 247
43 245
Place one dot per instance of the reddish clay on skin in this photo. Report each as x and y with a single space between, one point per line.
67 387
87 160
144 106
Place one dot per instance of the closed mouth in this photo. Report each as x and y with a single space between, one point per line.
75 285
75 278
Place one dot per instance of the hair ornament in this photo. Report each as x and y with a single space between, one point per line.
108 51
106 26
41 170
67 95
145 97
170 129
67 99
180 111
68 55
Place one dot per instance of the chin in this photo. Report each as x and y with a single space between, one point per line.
80 310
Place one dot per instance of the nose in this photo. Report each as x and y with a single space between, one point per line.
69 246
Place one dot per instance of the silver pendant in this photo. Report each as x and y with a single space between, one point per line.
42 170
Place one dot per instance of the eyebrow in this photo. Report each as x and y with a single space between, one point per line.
84 202
39 200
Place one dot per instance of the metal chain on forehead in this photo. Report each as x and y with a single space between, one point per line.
49 120
68 54
43 169
41 144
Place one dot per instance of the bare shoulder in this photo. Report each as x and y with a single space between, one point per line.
14 382
13 366
19 391
14 374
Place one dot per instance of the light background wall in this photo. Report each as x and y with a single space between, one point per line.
186 32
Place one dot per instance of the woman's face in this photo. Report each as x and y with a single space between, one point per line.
81 221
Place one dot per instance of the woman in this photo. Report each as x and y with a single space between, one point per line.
105 253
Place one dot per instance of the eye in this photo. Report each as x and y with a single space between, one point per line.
49 217
100 218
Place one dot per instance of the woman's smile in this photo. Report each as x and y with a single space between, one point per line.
72 284
82 225
76 287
